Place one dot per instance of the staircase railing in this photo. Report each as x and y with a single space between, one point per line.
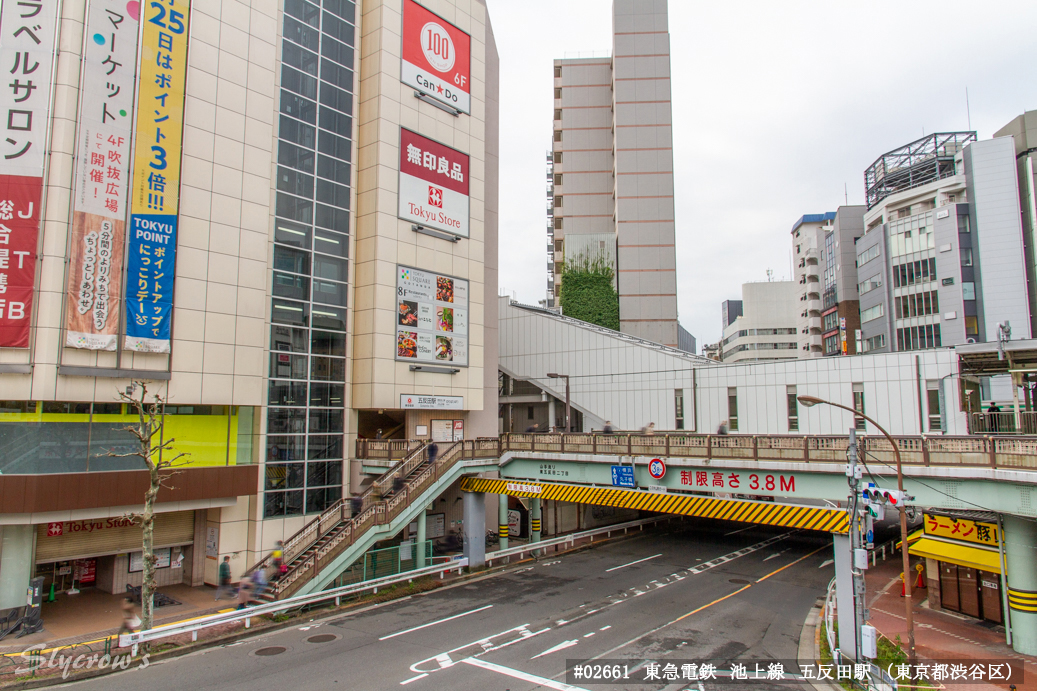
381 506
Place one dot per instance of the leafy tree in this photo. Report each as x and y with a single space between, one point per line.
588 292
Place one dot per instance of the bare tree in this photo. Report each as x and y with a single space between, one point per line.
152 446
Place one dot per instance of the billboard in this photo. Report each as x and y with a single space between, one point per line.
99 194
28 30
436 57
431 317
155 192
433 189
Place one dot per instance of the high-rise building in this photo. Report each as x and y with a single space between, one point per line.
729 311
611 169
942 262
1023 130
840 311
285 229
808 235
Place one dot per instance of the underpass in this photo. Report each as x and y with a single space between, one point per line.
694 589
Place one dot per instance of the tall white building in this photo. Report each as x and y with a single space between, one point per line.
766 329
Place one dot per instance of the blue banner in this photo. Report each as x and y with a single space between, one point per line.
623 476
151 265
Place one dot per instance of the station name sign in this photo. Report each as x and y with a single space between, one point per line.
412 402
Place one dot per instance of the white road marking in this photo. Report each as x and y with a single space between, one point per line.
623 566
433 623
561 646
524 676
588 635
605 628
706 565
826 562
740 530
407 681
773 556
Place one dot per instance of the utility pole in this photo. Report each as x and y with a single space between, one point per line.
853 479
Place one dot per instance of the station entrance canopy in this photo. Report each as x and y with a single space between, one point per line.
746 511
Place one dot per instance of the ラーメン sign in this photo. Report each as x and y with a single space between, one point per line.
433 190
431 317
436 57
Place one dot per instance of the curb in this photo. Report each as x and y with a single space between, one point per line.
274 627
810 647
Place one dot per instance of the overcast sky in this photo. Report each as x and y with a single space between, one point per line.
776 105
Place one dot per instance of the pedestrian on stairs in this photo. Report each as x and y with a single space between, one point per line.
433 451
244 592
259 580
277 558
356 504
397 485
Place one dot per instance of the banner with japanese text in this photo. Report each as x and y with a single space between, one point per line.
155 192
28 30
99 194
433 188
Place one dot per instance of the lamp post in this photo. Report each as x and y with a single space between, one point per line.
809 402
555 375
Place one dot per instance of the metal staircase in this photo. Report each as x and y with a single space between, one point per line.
328 544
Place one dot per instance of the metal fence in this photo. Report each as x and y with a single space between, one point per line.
390 561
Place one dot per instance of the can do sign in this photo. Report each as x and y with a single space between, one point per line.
436 57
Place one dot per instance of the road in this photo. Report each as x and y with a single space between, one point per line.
689 592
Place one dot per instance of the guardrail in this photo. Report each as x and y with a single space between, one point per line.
1017 453
195 625
571 538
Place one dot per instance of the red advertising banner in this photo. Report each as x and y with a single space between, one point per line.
433 190
436 57
19 230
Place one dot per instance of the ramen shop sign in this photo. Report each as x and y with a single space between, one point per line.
436 57
433 184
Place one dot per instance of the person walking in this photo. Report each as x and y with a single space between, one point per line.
277 558
397 485
244 592
378 434
722 429
648 429
356 504
433 451
130 621
607 429
992 415
224 579
260 581
532 429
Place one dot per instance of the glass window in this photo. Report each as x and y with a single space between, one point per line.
301 33
326 447
336 98
287 366
287 393
968 290
318 500
337 122
330 217
292 313
294 182
298 82
341 8
285 448
971 326
286 420
294 234
324 420
330 193
282 503
297 132
328 369
298 107
294 208
333 145
678 407
335 27
304 11
330 267
872 313
327 343
294 156
732 408
331 243
329 292
318 474
327 395
325 317
340 76
296 56
793 408
287 259
284 475
337 51
333 169
858 405
291 286
966 256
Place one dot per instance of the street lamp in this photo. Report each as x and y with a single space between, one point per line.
811 401
555 375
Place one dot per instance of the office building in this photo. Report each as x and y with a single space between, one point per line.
283 228
729 311
808 235
767 329
611 170
1023 130
941 262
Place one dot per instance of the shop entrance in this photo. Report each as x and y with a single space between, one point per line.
971 591
390 422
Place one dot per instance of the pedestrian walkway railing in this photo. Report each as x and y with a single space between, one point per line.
1003 422
323 597
1017 453
570 539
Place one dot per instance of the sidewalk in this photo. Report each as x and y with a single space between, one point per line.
93 614
939 636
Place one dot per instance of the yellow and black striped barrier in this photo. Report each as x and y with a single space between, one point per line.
765 513
535 525
1022 600
502 530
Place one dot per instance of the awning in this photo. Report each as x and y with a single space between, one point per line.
912 538
956 553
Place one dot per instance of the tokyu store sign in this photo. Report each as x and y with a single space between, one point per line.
431 317
433 184
436 57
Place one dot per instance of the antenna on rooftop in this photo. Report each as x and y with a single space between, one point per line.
846 193
770 275
968 113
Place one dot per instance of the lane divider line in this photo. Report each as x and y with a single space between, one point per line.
623 566
433 623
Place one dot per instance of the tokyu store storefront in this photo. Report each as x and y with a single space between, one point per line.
105 553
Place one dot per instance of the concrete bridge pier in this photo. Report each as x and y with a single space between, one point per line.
502 520
534 519
1020 538
473 528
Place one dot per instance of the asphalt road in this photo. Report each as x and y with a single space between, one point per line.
688 593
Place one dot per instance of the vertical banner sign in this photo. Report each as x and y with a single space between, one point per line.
436 57
432 317
28 30
433 184
99 195
155 194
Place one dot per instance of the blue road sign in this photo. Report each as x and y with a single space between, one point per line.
870 537
623 476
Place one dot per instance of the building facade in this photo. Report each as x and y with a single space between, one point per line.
611 169
767 329
808 235
1023 131
942 262
282 220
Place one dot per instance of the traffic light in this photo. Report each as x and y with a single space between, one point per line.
891 497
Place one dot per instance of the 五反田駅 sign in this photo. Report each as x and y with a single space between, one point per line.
433 184
436 57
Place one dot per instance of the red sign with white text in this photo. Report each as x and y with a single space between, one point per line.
433 189
19 232
436 57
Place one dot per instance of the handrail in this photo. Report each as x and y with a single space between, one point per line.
571 538
1009 452
246 614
